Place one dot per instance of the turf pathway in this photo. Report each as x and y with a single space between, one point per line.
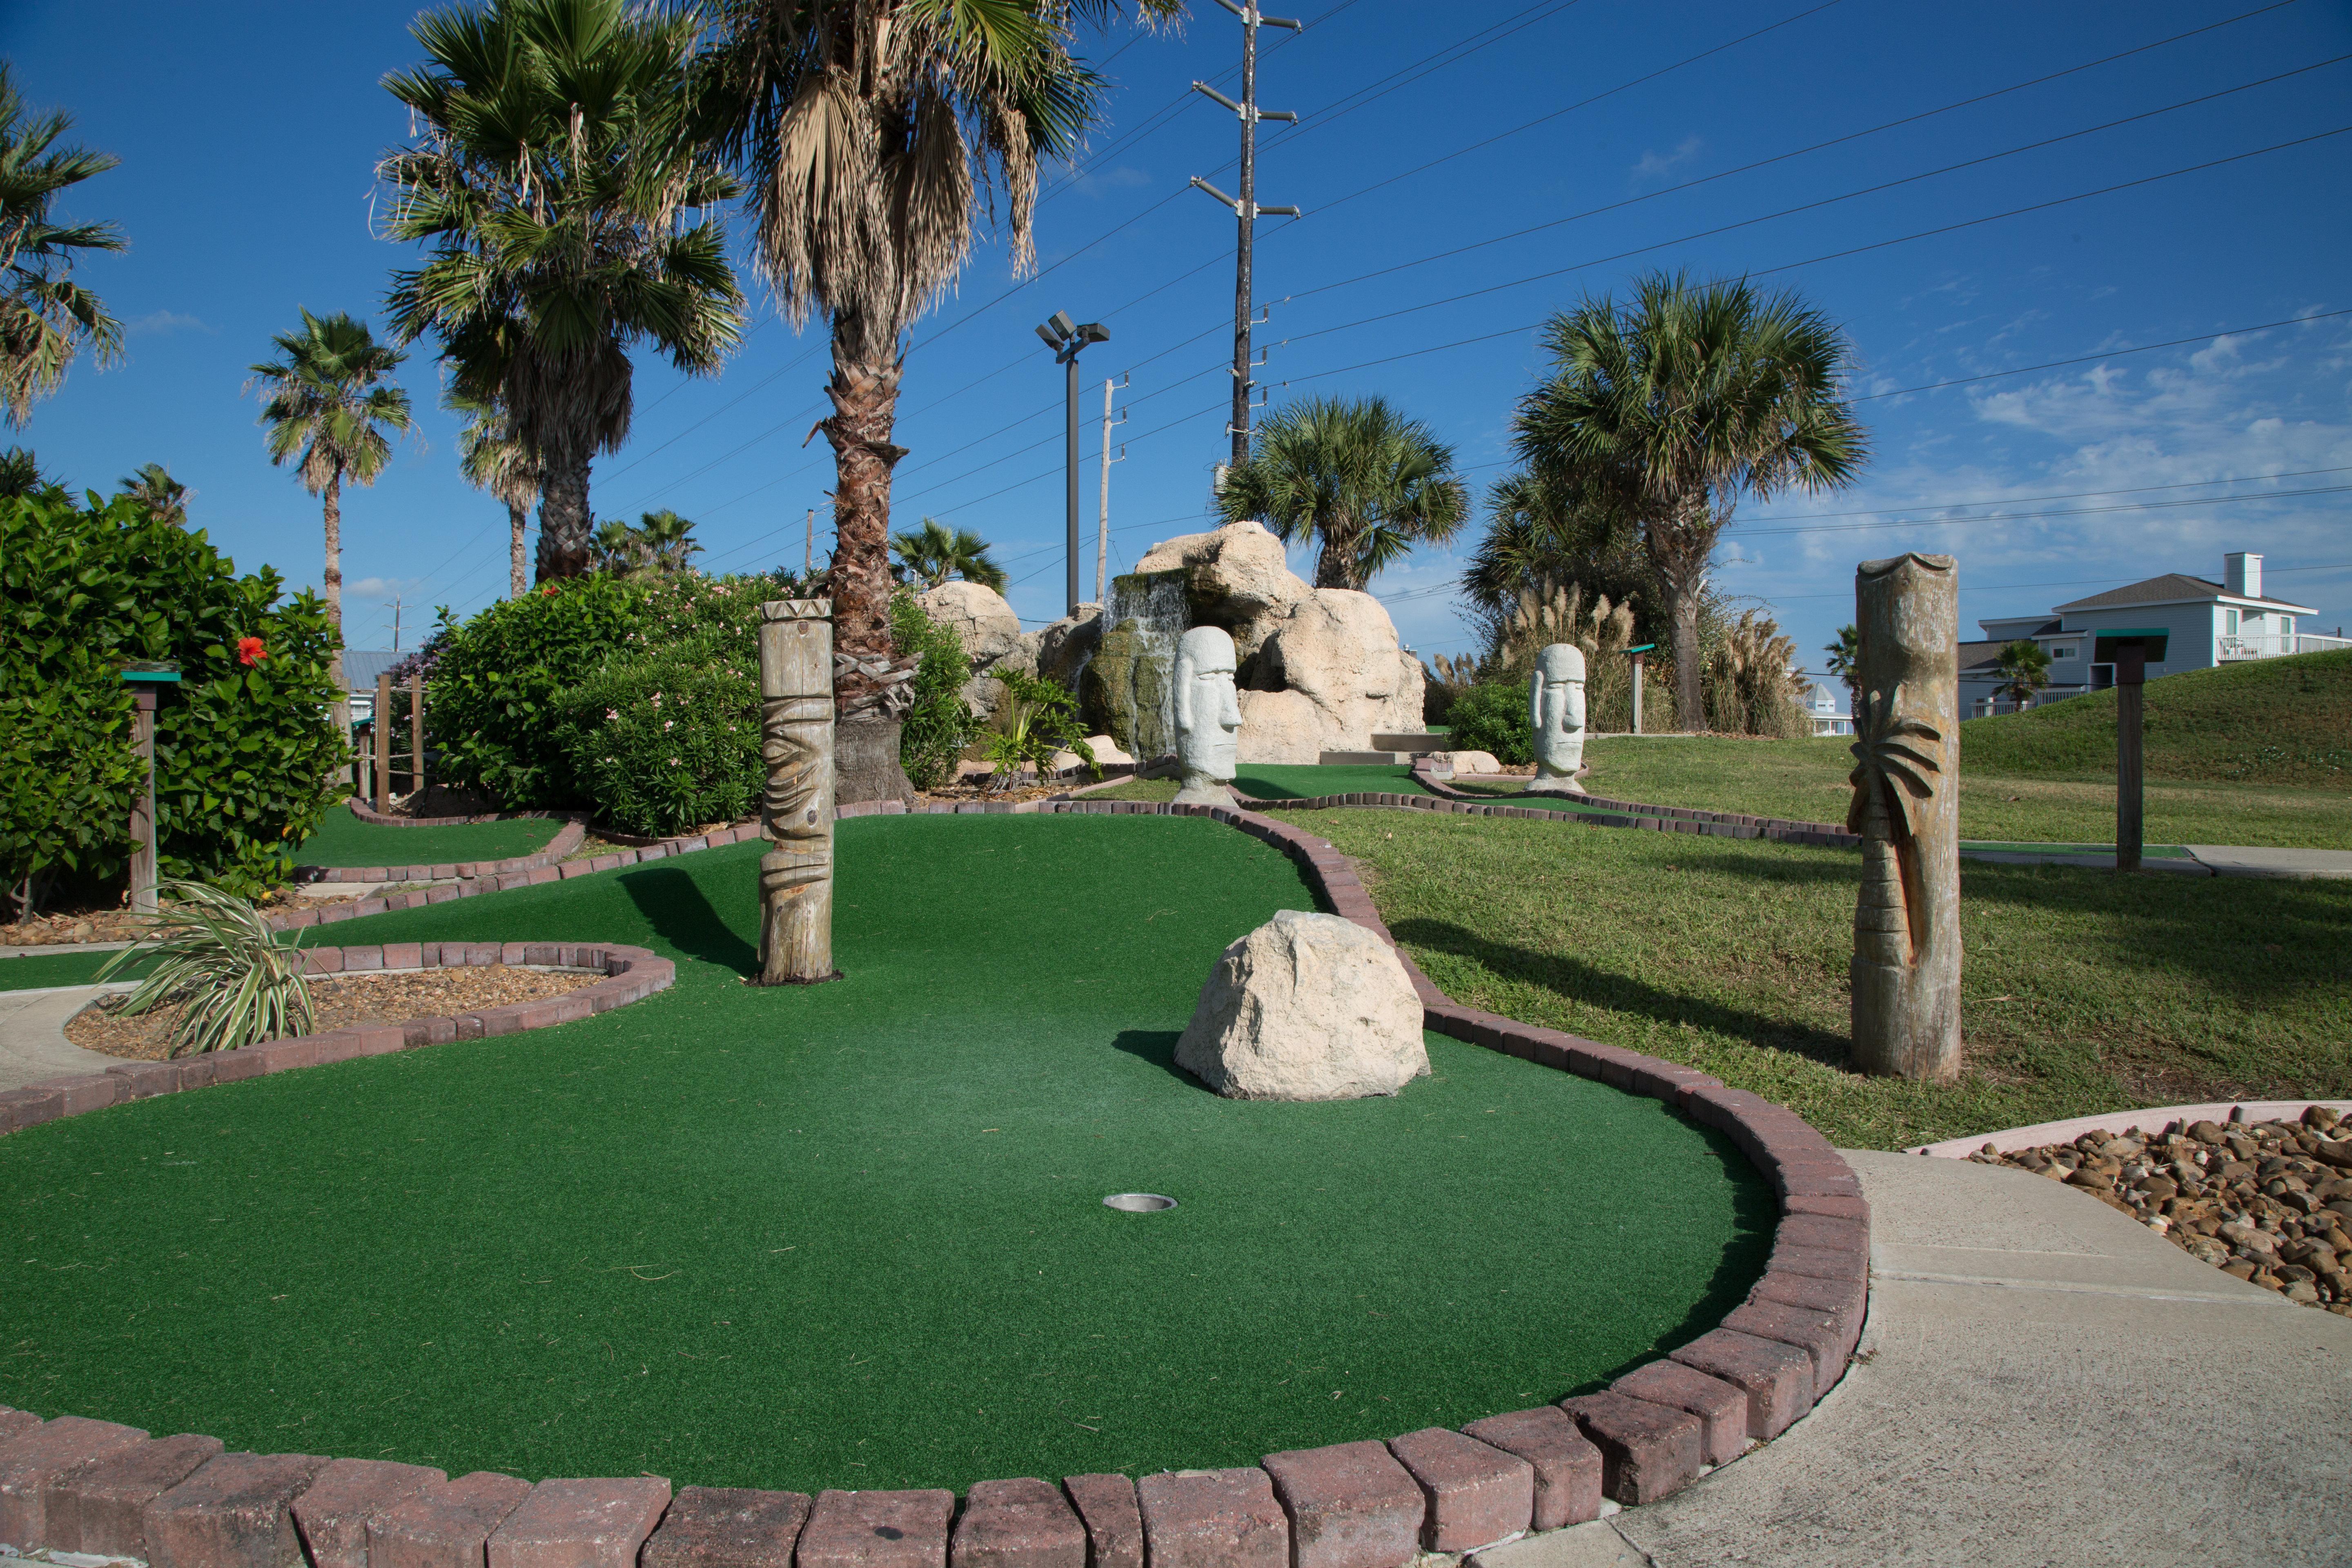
853 1235
344 839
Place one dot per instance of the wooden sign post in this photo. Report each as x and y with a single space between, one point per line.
144 680
383 743
2131 683
415 734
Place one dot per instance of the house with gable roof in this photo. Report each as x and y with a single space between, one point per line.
2199 625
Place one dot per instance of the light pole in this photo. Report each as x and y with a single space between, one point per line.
1066 338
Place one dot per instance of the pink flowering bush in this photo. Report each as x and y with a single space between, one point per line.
663 745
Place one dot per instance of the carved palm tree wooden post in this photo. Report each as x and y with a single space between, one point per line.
1907 806
796 743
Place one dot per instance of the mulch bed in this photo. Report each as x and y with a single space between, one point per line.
341 1001
2269 1202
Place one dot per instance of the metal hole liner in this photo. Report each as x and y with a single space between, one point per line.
796 743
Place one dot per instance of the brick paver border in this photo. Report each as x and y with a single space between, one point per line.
1660 818
567 839
1351 1505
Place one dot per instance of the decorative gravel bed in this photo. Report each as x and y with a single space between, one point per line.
2269 1202
340 1002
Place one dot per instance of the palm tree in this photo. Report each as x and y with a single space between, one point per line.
327 406
20 474
934 555
669 539
566 208
2024 671
492 459
152 487
1362 479
871 132
1542 536
1682 400
45 318
1845 662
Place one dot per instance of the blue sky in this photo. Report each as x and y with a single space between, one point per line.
1592 131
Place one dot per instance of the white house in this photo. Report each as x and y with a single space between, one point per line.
2196 624
1825 706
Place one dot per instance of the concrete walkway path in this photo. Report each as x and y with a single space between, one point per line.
33 1044
2204 860
2040 1382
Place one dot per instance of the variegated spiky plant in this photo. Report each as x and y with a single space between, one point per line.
1898 767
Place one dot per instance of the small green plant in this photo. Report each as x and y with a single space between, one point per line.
665 744
216 955
1039 718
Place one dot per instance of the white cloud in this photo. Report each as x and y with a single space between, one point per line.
378 587
1101 183
1653 163
161 323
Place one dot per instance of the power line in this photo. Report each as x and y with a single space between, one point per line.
2068 495
2111 353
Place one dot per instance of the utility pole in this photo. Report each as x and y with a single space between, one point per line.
808 553
1244 206
1102 537
1068 338
395 625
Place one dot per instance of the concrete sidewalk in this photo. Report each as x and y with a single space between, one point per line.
33 1044
2042 1382
2206 860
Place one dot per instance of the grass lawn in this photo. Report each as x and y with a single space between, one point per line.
1276 781
344 839
853 1235
1807 780
2084 991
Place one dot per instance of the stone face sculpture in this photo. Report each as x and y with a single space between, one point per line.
1307 1006
1208 716
796 722
1907 806
1556 710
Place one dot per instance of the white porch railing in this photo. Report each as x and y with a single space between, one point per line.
2270 646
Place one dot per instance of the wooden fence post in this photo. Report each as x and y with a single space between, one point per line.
2131 677
383 741
143 806
416 733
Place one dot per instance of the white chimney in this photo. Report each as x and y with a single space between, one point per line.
2242 574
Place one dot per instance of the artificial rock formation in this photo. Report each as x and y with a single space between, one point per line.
1307 1006
1319 669
990 634
1907 806
1555 710
796 735
1208 719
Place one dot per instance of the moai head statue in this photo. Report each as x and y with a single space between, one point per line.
1208 713
1555 710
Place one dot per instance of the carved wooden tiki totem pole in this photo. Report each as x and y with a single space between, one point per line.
796 743
1907 806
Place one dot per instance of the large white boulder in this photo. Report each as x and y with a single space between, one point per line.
1237 577
1307 1006
1336 649
990 634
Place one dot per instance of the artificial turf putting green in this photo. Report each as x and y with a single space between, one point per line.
36 970
1280 781
853 1235
342 839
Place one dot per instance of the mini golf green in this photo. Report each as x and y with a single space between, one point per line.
342 839
853 1234
1278 781
35 970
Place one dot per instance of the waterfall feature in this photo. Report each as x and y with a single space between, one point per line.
1130 682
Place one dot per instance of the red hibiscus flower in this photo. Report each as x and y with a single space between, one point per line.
249 651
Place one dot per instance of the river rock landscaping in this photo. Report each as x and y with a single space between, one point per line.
2268 1201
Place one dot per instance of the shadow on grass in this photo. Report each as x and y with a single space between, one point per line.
675 906
1577 981
1158 1046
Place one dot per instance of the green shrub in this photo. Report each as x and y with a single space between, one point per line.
1493 719
938 724
245 748
662 745
1039 719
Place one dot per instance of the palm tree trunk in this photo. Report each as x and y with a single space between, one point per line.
870 689
563 519
1335 565
331 585
518 521
1680 549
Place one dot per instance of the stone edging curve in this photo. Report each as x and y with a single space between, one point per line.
369 814
1350 1505
567 839
1784 830
632 974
